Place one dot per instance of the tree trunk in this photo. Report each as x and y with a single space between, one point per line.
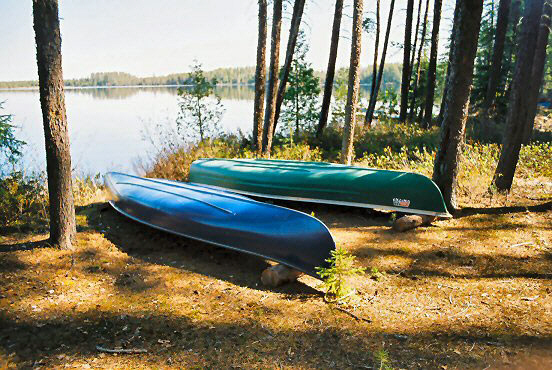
515 16
498 52
416 33
405 83
268 130
52 102
537 72
260 80
374 98
418 66
354 84
330 73
376 51
451 49
518 108
445 169
293 33
432 68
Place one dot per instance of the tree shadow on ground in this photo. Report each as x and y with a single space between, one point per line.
154 246
27 246
208 344
470 211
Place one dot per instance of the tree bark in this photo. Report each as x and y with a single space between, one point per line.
354 84
376 51
405 83
268 130
451 48
418 65
515 16
432 68
518 108
260 80
298 7
537 72
445 169
498 52
52 102
416 33
330 73
372 107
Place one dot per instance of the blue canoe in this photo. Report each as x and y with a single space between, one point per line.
224 219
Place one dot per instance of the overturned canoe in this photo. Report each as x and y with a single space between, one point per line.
323 183
224 219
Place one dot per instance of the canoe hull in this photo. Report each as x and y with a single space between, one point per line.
224 219
323 183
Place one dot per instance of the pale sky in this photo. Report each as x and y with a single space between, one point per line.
146 38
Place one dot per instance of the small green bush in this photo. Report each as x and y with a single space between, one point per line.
23 201
336 277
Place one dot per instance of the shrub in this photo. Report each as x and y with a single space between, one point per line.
336 276
23 201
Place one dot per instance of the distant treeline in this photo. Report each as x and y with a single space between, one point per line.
224 76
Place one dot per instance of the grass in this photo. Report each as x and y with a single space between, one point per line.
469 292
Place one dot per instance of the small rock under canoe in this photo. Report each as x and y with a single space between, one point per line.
321 182
224 219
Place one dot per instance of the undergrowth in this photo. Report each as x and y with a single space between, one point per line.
24 200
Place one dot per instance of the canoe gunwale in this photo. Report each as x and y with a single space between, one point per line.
334 202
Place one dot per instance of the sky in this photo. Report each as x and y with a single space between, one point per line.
148 38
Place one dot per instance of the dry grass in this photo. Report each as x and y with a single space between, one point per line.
465 293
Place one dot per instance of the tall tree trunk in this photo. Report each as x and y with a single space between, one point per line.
372 107
330 73
466 34
405 83
418 65
498 52
52 102
268 130
354 84
416 33
537 72
432 68
515 16
451 48
518 108
376 51
260 80
293 33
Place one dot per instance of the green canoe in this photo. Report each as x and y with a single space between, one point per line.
323 183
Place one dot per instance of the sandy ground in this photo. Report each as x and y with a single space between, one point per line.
471 292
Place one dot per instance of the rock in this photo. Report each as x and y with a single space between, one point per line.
277 275
410 222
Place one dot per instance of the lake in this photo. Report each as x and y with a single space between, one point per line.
107 125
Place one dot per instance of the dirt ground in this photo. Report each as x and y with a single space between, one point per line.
470 292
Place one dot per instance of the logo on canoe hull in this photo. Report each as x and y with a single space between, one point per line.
397 202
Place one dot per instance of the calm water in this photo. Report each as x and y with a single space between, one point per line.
106 125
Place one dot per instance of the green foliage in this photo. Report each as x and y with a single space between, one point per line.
483 61
23 200
300 106
335 277
381 357
389 102
10 147
200 108
484 52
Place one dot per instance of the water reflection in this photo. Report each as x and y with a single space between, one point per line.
124 92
